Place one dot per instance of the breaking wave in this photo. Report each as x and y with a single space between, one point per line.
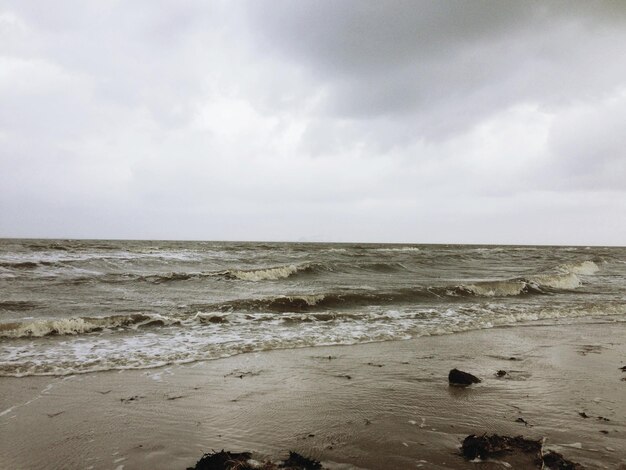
323 301
146 304
212 341
586 268
80 325
261 274
541 284
270 274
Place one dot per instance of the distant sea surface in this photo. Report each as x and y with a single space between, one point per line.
69 306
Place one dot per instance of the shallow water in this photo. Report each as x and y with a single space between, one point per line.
396 409
79 306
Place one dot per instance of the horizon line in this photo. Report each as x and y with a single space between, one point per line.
318 242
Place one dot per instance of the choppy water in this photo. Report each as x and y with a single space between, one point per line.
79 306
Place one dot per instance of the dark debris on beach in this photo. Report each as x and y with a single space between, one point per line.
225 460
495 446
486 446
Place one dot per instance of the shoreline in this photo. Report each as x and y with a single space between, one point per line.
373 405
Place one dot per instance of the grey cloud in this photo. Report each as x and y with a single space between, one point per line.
422 121
452 62
372 37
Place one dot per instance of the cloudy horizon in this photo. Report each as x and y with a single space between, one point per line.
401 121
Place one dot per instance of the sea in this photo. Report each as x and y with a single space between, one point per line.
77 306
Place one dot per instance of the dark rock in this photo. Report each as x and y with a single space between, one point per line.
623 368
583 414
555 461
487 446
458 377
522 420
216 319
501 373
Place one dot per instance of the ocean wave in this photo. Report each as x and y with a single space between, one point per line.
65 257
586 268
42 246
566 281
381 267
26 264
79 325
399 249
273 273
162 277
281 303
505 288
537 285
18 305
209 340
261 274
335 300
19 264
269 274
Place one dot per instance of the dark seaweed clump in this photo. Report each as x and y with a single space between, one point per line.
224 460
496 446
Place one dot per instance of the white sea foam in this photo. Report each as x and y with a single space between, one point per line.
202 341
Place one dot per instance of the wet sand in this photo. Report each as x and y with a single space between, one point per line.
375 406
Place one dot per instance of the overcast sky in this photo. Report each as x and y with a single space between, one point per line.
390 121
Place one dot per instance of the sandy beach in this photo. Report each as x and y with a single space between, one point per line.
375 406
